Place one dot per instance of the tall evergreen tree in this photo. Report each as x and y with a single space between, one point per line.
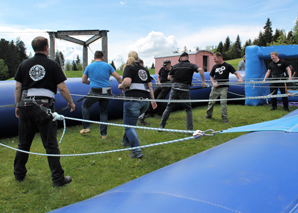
220 47
276 35
78 61
262 41
267 35
227 44
4 74
113 65
12 60
295 30
21 49
74 66
290 37
59 57
238 47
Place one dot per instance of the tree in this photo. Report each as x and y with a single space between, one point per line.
68 65
4 74
59 57
238 47
276 35
74 66
78 60
247 43
220 47
21 49
290 37
261 39
113 65
295 30
267 36
227 44
232 52
152 66
121 66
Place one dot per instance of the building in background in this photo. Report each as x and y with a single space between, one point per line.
202 58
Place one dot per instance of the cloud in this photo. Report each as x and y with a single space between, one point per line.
121 2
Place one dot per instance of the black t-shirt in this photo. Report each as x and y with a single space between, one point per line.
163 75
183 72
138 74
40 72
221 72
278 69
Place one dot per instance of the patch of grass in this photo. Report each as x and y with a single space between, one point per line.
95 174
234 62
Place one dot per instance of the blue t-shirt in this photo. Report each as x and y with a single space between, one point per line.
99 74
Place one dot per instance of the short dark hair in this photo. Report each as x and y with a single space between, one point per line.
39 44
98 54
218 54
141 61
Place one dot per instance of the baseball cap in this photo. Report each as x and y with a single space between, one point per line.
184 54
165 62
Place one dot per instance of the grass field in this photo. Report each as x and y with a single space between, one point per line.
95 174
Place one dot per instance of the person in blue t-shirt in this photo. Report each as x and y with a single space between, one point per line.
97 75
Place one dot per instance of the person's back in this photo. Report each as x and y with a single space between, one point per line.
99 74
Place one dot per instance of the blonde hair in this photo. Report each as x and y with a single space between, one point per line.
130 61
274 53
133 54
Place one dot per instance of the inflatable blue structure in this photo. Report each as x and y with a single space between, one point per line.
256 69
78 90
256 172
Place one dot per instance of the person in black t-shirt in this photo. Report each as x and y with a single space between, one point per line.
219 77
38 79
181 75
137 84
278 68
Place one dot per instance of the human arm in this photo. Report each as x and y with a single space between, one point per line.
125 83
153 103
202 74
267 74
85 79
158 79
213 81
66 95
17 96
170 77
238 76
289 72
117 76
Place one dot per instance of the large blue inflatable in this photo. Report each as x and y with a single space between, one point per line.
256 172
78 90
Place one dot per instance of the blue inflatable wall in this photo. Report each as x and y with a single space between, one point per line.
256 172
9 122
256 69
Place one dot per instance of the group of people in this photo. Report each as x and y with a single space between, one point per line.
38 78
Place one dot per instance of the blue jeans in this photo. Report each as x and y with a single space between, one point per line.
131 112
103 112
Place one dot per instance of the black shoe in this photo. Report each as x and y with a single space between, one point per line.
136 155
126 144
161 127
208 117
19 179
149 115
273 108
66 180
225 122
286 109
142 122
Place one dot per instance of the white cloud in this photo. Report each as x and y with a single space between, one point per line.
121 2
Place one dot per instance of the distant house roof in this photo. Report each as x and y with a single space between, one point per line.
178 54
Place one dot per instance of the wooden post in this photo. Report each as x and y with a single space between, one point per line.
52 45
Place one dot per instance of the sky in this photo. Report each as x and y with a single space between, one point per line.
150 27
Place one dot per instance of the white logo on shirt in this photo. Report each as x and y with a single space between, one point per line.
37 72
220 70
143 75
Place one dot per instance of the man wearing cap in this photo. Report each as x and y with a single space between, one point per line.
181 75
241 65
161 91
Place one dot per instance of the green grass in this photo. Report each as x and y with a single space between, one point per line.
234 62
95 174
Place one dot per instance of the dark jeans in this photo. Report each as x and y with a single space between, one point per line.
131 112
273 90
31 120
178 94
159 93
103 111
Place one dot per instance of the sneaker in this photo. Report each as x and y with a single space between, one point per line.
273 108
142 122
138 154
208 116
66 180
83 131
126 144
225 122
